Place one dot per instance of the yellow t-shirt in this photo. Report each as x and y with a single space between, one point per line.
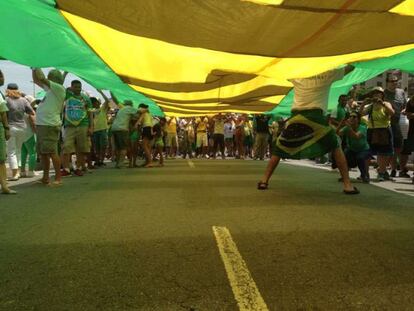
100 121
380 118
202 125
172 126
147 119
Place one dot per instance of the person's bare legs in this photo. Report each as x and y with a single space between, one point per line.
161 163
88 160
205 151
343 168
394 159
271 166
147 151
134 153
383 162
56 165
403 162
46 167
80 159
174 149
120 157
65 161
3 180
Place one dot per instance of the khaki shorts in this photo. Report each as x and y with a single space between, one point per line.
47 139
171 140
3 153
202 139
76 139
121 139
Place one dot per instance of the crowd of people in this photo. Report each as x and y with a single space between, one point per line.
68 122
380 125
356 133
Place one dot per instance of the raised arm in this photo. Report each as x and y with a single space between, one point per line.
3 116
103 95
114 98
65 73
106 99
388 108
39 78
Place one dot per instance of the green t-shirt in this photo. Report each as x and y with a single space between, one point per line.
356 144
77 108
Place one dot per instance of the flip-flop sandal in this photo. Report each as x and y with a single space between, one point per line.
262 185
355 191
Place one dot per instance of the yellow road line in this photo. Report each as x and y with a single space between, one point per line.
191 164
244 288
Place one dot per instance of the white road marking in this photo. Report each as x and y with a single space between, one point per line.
244 288
191 164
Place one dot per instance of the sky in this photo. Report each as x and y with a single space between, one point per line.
22 75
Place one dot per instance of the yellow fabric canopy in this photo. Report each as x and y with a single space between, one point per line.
196 57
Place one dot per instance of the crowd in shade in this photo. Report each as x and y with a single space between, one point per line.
377 130
77 133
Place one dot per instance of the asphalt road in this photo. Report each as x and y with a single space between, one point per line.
142 239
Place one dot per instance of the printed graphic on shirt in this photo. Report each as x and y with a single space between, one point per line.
75 110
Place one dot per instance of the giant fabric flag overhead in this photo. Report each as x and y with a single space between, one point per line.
34 33
197 57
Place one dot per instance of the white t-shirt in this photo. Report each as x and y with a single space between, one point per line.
228 130
313 92
49 111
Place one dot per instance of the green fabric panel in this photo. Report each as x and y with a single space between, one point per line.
403 61
364 71
34 33
283 109
343 86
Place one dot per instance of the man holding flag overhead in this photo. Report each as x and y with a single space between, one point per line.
307 133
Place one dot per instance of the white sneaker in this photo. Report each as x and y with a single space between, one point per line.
14 178
32 174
